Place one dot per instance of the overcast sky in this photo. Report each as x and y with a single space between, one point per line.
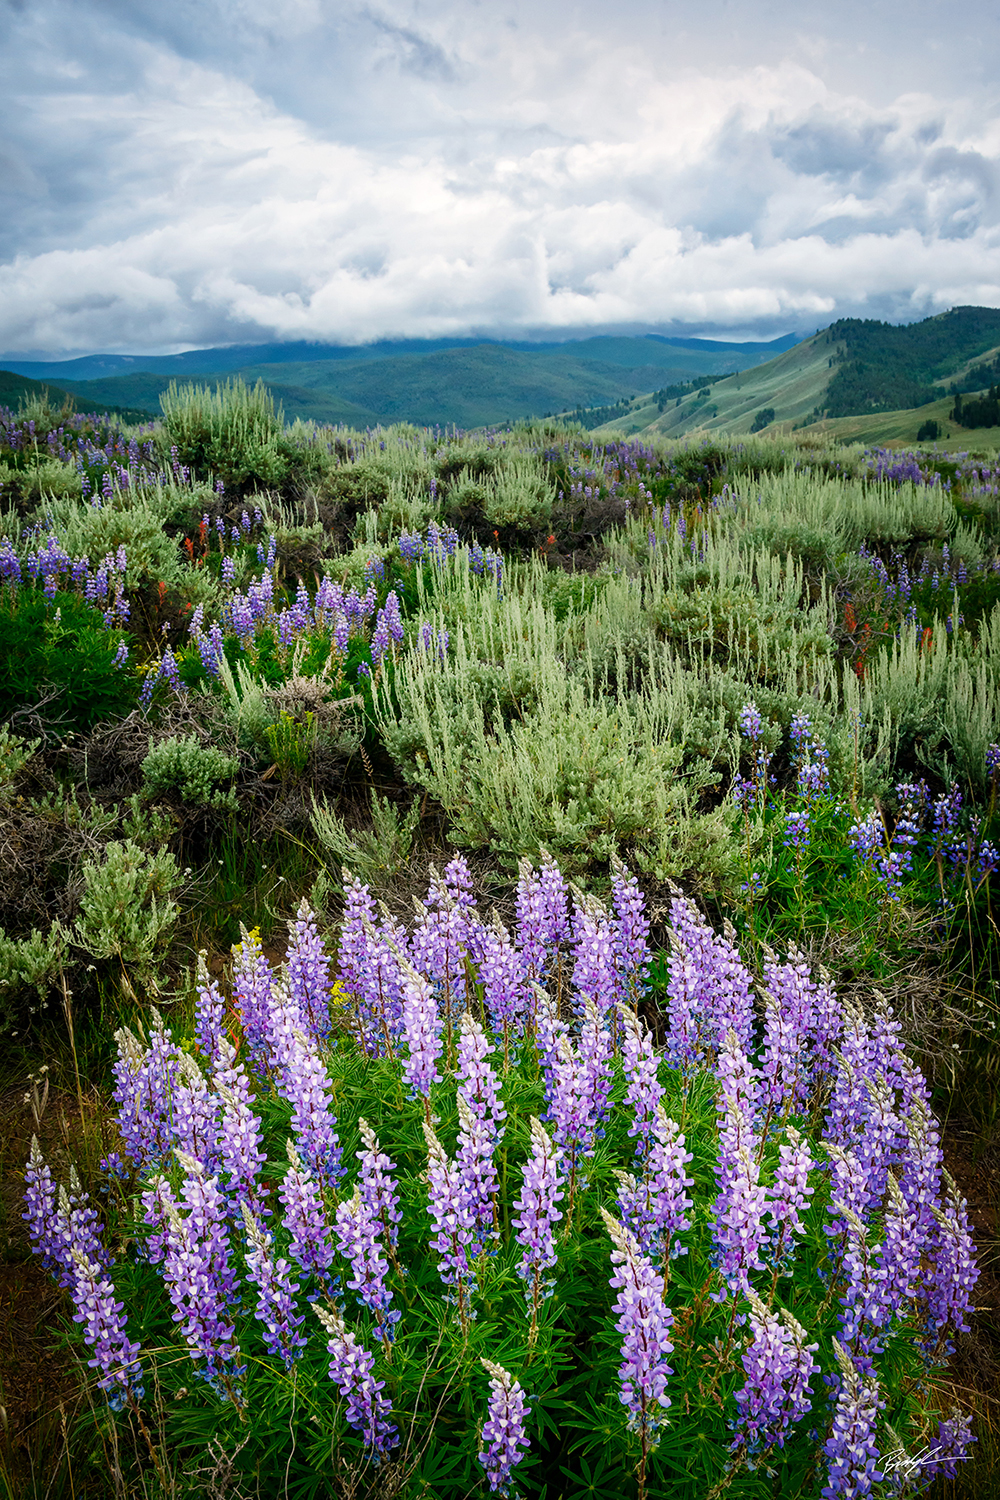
182 173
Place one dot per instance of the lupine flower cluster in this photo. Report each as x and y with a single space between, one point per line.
524 1110
939 828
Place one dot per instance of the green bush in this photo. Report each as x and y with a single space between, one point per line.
233 433
188 771
59 657
127 909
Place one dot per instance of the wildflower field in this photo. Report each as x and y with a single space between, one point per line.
497 962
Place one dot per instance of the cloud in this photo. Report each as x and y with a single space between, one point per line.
446 170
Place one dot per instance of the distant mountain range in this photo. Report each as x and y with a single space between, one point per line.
464 382
850 372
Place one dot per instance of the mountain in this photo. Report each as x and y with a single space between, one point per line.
701 355
854 368
15 389
469 385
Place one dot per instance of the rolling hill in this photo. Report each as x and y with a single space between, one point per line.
465 382
884 376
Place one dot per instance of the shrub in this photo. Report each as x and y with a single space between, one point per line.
187 770
127 908
59 658
232 433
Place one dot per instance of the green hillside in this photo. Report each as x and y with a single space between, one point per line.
17 389
462 386
851 371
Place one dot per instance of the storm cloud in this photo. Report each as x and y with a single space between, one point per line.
193 174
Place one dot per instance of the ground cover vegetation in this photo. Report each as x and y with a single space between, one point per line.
494 922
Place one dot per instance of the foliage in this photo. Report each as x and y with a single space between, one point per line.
190 771
58 657
127 908
520 1161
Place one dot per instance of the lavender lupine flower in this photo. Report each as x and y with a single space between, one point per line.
303 1080
595 1049
370 973
631 933
788 1197
366 1409
452 1207
778 1363
378 1190
542 915
195 1114
240 1153
481 1117
209 1012
309 973
253 986
810 1018
440 944
503 1435
595 976
537 1214
40 1209
505 985
115 1355
952 1273
798 832
738 1211
146 1082
811 758
851 1450
198 1272
357 1231
709 990
644 1322
422 1031
277 1290
655 1206
643 1090
949 1446
310 1243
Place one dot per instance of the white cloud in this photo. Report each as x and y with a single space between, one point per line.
515 178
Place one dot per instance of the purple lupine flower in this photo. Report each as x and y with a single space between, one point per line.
788 1197
949 1447
195 1115
253 986
738 1211
851 1450
644 1322
506 993
115 1355
503 1434
542 915
277 1289
952 1272
643 1090
422 1029
655 1206
198 1272
310 1245
357 1231
309 973
366 1409
440 945
302 1079
378 1189
393 618
710 990
595 1049
240 1153
778 1363
595 979
452 1207
380 638
209 1013
481 1116
40 1209
146 1081
798 832
631 932
537 1214
811 758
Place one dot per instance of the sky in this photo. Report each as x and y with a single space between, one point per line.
209 172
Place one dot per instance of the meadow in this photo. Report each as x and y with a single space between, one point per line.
497 961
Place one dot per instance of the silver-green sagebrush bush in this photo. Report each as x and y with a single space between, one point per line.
455 1224
127 908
